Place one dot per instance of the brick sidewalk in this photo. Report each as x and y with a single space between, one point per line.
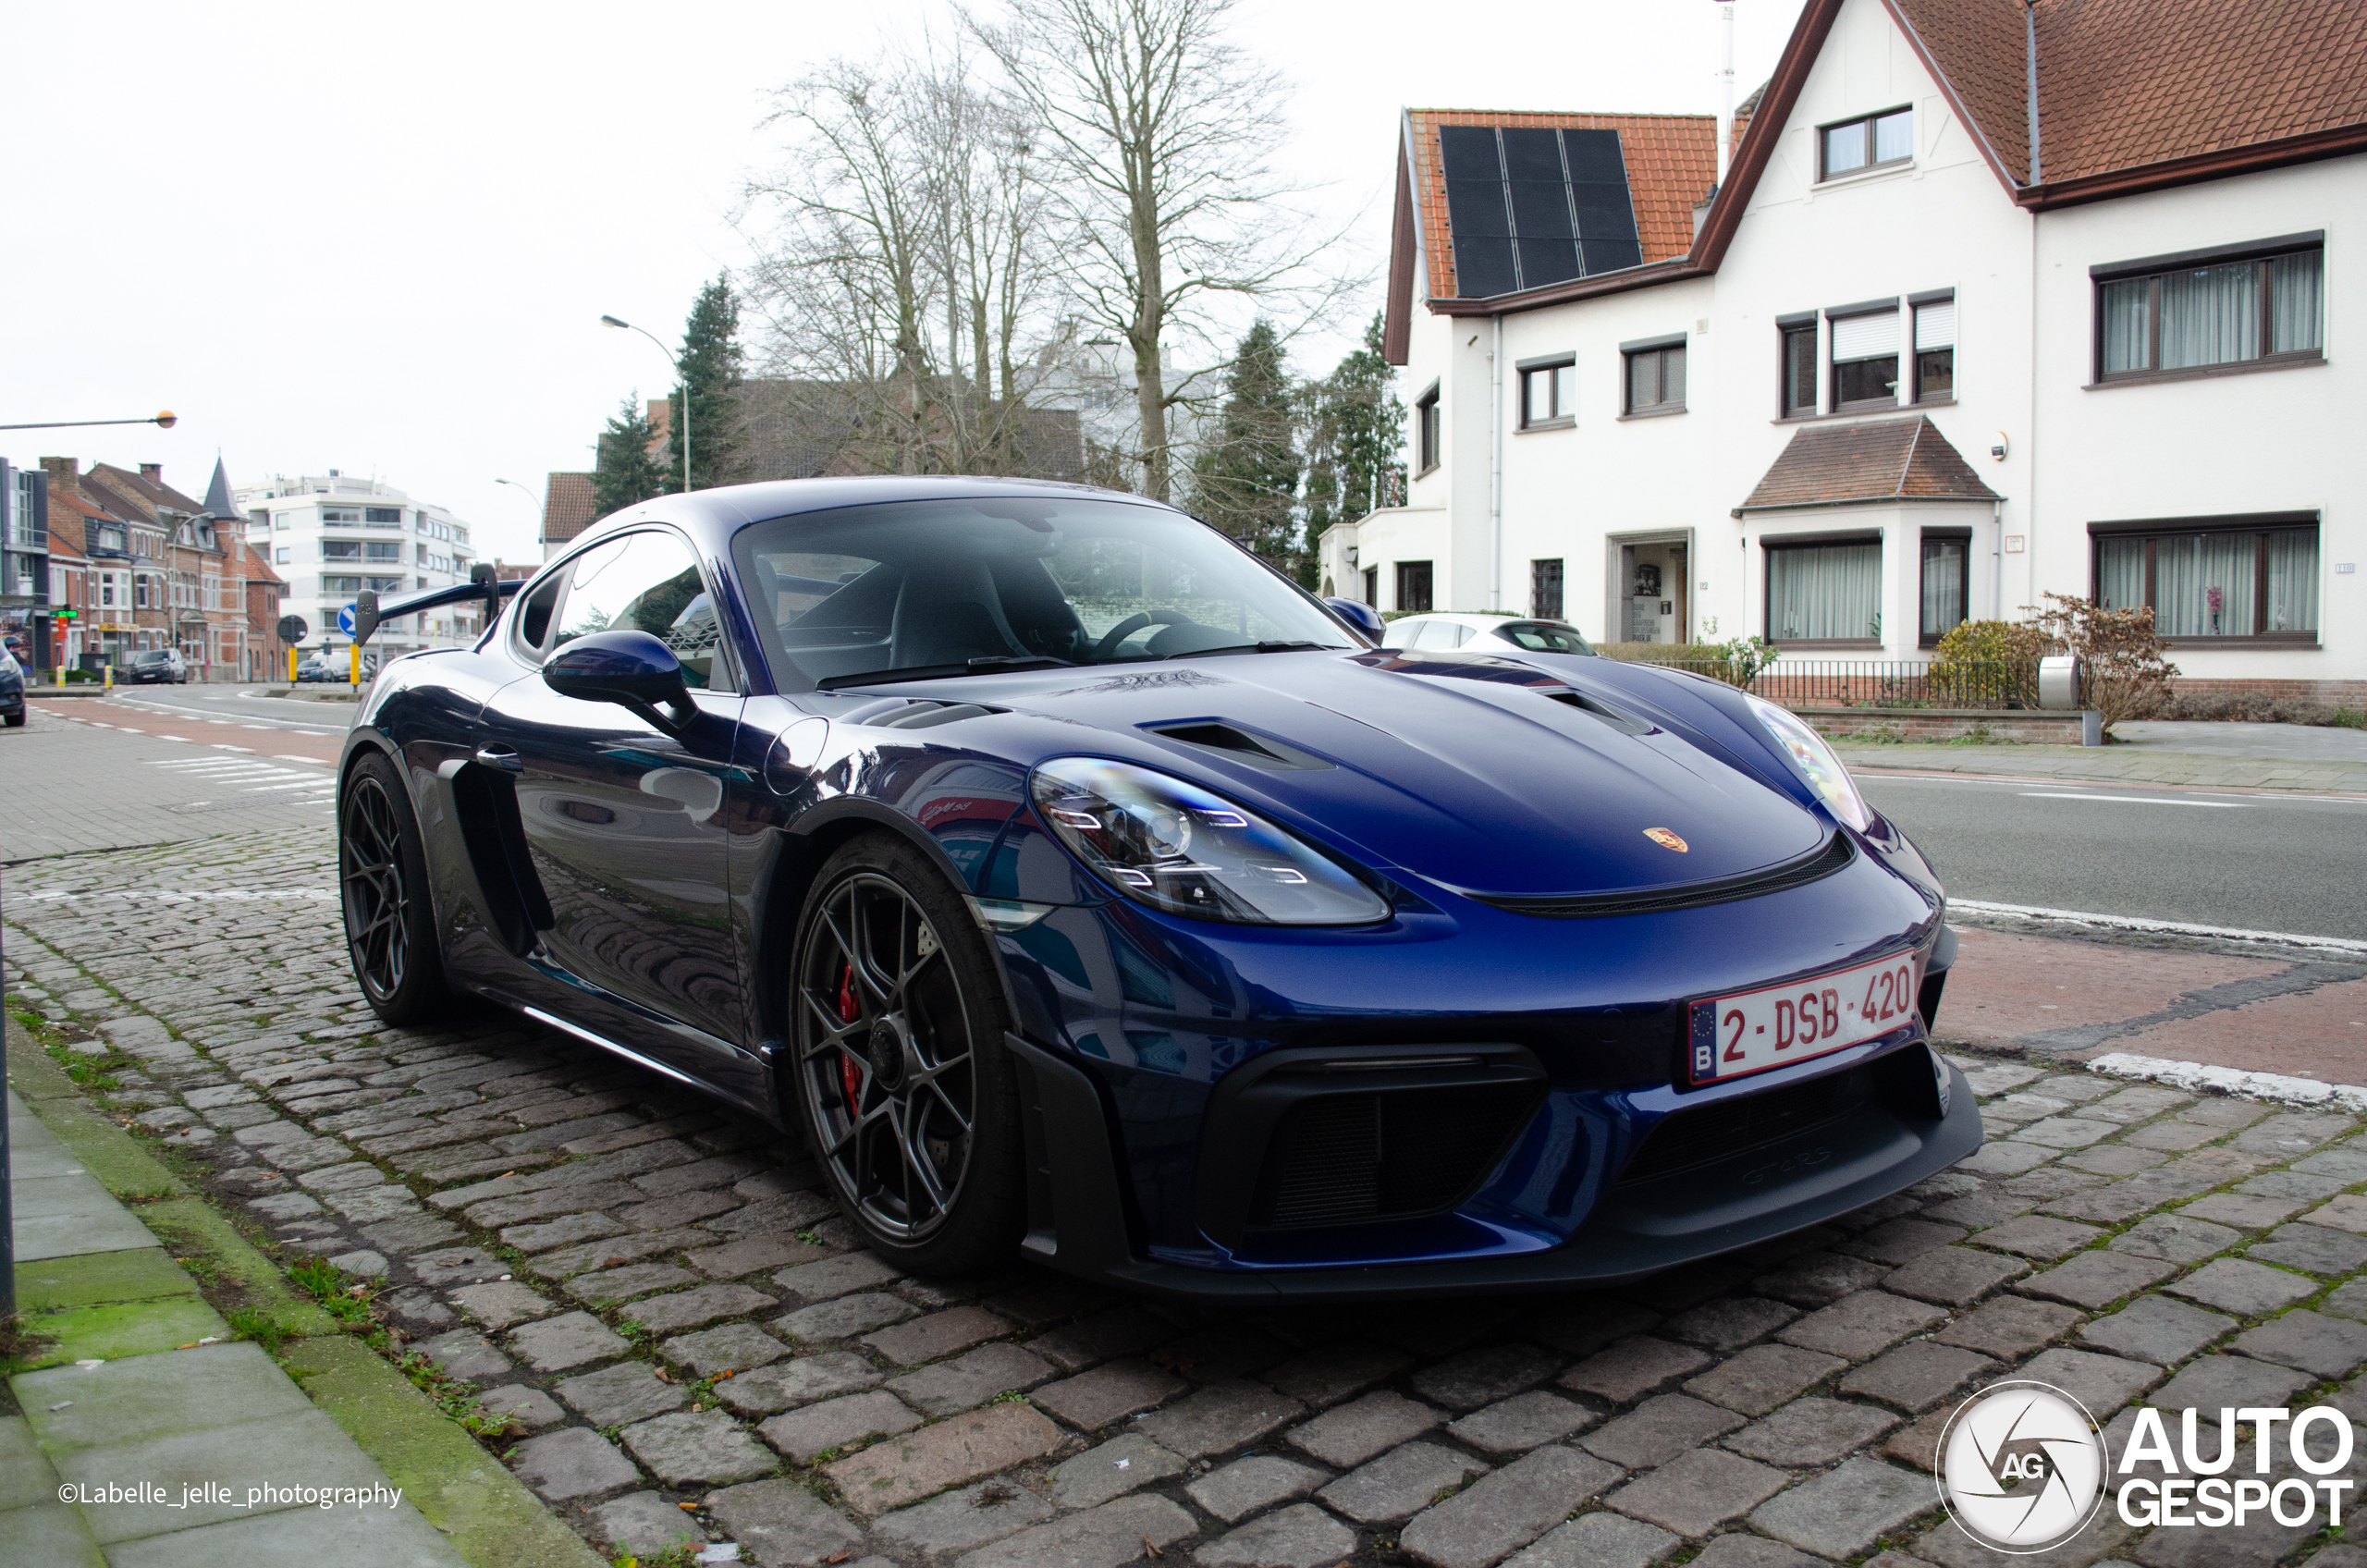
658 1292
2113 765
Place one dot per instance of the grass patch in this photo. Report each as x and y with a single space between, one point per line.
254 1323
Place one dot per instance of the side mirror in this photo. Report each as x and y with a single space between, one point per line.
629 669
365 615
1358 614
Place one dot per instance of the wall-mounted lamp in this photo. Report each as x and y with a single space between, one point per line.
1997 446
1352 555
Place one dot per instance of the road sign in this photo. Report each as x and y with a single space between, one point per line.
345 620
293 629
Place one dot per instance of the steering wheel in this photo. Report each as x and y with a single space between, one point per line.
1128 627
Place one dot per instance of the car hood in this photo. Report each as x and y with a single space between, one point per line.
1486 775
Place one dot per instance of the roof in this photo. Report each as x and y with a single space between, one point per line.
2133 95
1672 159
1891 459
568 505
2131 85
218 502
63 548
142 490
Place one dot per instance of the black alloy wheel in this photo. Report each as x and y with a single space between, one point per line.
899 1067
382 879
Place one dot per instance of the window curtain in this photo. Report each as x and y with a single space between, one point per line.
2210 315
2202 584
1821 590
1943 597
2293 287
2120 574
2293 580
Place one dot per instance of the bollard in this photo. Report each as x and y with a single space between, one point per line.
108 685
355 680
291 667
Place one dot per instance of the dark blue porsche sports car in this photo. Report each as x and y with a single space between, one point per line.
1080 886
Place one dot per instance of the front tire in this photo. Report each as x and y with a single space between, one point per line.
899 1075
389 913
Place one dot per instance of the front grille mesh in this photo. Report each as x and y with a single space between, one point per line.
1347 1158
1814 867
1706 1133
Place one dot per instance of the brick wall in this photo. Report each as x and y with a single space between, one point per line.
2335 693
2019 727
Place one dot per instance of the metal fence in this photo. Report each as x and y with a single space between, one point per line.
1874 683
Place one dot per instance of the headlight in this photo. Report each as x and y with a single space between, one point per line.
1825 775
1175 847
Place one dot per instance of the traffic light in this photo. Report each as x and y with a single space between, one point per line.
65 614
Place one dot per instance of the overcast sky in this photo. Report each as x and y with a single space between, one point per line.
381 238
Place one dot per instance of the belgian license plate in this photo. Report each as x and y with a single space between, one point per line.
1752 1031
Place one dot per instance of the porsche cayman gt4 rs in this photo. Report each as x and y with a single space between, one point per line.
1078 885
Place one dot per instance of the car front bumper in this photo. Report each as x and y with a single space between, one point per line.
1078 1223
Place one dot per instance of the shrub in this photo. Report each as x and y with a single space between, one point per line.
1981 662
2126 676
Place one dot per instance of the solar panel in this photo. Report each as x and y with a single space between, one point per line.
1518 198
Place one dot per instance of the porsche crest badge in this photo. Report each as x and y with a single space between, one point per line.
1665 839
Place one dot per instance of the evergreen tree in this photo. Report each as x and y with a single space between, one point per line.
1246 479
624 470
1356 437
710 370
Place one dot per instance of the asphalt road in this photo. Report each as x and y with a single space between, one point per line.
2262 862
235 703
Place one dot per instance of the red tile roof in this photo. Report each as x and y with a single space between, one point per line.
1894 460
2131 84
1672 162
569 507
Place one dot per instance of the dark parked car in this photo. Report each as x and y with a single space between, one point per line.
1080 886
337 667
155 666
12 691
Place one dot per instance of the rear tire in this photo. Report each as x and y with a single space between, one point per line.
389 913
898 1073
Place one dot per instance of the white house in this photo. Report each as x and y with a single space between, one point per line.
1927 354
332 535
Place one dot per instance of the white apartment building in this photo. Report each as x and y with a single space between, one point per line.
333 535
1925 356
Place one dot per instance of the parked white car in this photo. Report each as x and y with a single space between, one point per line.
1483 633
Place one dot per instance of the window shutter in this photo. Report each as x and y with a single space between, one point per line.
1862 337
1936 324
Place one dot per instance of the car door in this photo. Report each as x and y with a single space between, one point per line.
624 822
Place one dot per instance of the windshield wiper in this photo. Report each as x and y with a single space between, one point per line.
994 665
1267 647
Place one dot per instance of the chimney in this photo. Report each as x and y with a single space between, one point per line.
64 474
153 473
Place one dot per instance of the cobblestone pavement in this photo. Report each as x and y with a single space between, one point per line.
692 1343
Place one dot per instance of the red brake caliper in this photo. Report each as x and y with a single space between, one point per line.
849 1011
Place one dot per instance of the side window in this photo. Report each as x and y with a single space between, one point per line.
1401 633
533 624
647 581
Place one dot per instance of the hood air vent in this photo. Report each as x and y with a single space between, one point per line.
1626 724
1239 745
899 712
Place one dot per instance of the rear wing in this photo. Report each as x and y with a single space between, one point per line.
369 614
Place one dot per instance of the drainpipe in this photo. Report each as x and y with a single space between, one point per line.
2030 92
1997 559
2029 541
1496 470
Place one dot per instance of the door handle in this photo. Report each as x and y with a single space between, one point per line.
496 756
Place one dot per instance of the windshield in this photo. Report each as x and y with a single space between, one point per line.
984 584
153 656
1544 637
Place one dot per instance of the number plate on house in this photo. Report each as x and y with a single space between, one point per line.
1753 1031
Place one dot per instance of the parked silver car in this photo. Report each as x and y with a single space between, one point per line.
155 667
1437 631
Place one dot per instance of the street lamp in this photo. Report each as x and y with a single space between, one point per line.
541 517
164 421
611 320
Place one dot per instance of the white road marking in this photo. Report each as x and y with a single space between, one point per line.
2129 800
225 746
285 757
2169 928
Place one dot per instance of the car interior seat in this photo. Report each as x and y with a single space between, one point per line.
948 612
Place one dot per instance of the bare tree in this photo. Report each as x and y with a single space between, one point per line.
903 278
1158 130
